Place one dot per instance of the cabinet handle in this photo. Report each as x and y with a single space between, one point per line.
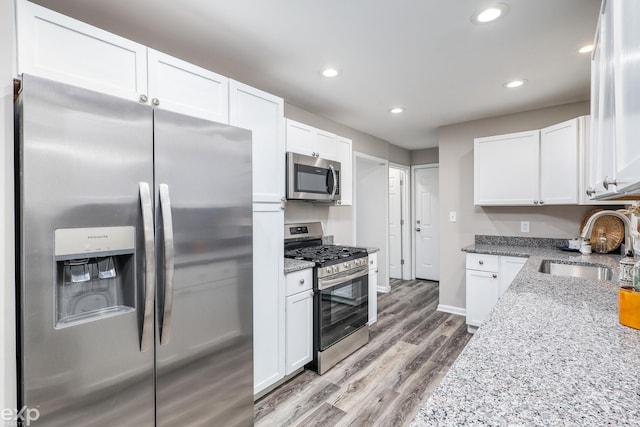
301 281
535 202
155 101
283 203
481 262
494 275
590 191
376 270
542 202
606 183
418 229
371 262
143 98
312 293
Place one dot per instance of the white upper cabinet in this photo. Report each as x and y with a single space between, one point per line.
305 139
185 88
559 163
60 48
545 167
615 76
344 154
263 114
626 35
506 169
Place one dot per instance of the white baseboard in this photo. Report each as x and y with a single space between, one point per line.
451 309
384 289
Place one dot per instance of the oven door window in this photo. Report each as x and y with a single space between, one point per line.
311 179
343 310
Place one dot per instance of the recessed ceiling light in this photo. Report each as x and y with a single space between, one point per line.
490 13
586 49
515 83
396 110
330 72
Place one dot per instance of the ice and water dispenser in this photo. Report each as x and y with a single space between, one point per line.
95 273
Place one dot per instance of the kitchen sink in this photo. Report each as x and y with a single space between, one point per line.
584 271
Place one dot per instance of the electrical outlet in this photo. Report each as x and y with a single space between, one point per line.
453 216
524 226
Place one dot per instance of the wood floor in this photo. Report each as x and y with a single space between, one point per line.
384 383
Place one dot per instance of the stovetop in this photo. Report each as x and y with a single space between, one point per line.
324 255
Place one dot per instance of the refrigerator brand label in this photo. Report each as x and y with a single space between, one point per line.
84 241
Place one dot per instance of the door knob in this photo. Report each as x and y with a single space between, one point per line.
418 229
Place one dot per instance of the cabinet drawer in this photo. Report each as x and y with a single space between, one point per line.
373 261
298 281
482 262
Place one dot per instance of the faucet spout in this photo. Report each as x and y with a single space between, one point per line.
628 238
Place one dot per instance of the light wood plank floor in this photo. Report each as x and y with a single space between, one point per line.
384 383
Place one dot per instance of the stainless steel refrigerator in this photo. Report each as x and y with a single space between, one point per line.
135 263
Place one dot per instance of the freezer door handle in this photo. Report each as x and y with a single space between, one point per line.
167 231
150 266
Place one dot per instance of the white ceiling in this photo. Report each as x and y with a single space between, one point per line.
425 55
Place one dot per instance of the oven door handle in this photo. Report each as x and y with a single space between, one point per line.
326 283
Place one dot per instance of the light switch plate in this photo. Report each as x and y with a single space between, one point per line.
524 226
453 216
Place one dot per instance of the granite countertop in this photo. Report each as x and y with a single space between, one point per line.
291 265
551 353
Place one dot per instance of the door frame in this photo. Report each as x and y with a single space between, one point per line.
413 210
407 253
385 287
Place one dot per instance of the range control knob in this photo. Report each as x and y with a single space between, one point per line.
328 270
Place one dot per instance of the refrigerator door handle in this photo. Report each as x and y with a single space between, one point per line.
150 266
167 231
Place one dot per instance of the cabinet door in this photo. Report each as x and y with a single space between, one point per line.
559 163
606 142
509 269
373 288
263 114
627 87
60 48
299 330
185 88
300 138
326 145
482 294
344 154
268 296
373 296
506 169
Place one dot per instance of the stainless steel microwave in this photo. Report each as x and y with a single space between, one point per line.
312 178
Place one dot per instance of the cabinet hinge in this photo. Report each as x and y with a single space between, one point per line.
402 222
401 262
401 182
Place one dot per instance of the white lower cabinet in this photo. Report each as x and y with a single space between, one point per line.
299 319
487 278
373 288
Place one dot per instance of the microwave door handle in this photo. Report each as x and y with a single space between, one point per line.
167 231
150 266
335 181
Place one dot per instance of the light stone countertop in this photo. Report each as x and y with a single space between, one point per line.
551 353
291 265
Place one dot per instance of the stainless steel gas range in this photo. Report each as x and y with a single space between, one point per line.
340 302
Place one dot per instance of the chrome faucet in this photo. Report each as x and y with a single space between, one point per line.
628 238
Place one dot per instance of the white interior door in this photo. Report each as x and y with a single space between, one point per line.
395 223
426 223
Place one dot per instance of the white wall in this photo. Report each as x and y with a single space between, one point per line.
372 220
7 248
456 194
